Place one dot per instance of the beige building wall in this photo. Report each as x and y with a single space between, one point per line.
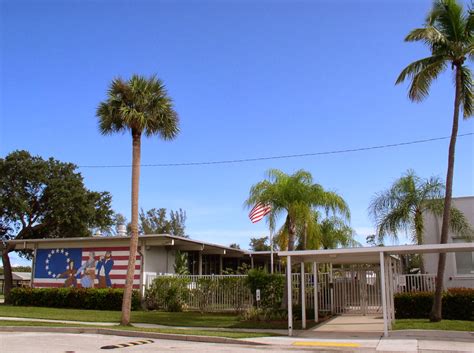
159 259
453 277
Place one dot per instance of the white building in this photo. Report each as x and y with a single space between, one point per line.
459 266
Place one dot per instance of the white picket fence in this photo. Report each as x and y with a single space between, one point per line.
345 291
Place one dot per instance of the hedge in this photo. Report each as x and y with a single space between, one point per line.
271 287
458 304
76 298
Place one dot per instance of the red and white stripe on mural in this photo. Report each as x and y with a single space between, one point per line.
97 267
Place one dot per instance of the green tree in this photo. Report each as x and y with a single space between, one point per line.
234 246
46 199
181 263
335 233
402 206
139 106
448 33
294 196
316 232
259 244
155 221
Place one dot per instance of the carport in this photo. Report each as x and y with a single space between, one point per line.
384 256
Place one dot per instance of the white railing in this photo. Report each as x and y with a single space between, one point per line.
345 291
415 283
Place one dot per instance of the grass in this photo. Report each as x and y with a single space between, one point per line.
425 324
195 332
188 319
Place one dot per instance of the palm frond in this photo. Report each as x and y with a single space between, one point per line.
429 35
447 15
421 81
460 225
466 93
141 105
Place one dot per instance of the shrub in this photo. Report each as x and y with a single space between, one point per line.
271 287
263 314
76 298
235 290
458 304
167 293
204 290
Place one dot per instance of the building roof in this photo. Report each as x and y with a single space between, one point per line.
19 276
178 243
371 255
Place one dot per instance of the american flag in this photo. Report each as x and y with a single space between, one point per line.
258 212
52 265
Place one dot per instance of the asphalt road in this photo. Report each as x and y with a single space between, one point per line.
80 343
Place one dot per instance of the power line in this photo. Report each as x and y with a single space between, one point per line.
257 159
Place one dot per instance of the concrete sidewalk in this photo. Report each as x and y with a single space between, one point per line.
391 344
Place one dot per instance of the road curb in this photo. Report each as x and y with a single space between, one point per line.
115 332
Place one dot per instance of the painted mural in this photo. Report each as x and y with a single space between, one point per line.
84 267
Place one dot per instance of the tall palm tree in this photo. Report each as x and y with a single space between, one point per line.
294 195
403 205
140 106
448 32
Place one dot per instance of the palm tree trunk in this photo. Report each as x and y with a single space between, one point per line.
305 235
437 309
419 236
127 294
291 233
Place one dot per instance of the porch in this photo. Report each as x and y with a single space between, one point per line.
387 279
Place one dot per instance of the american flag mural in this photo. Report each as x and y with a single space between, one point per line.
92 267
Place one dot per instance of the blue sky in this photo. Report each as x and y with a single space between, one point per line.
249 79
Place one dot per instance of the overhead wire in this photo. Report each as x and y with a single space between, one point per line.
288 156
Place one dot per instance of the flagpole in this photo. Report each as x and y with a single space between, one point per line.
271 251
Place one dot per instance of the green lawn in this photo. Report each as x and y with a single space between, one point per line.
425 324
188 319
228 334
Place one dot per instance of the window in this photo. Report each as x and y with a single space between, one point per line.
464 261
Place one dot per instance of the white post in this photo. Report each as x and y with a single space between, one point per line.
391 292
290 297
384 297
200 263
331 290
315 282
303 298
251 261
221 265
271 251
142 269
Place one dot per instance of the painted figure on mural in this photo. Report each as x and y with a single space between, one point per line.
70 275
87 271
104 266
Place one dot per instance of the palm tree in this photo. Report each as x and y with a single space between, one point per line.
402 206
316 232
335 233
140 106
448 32
294 195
